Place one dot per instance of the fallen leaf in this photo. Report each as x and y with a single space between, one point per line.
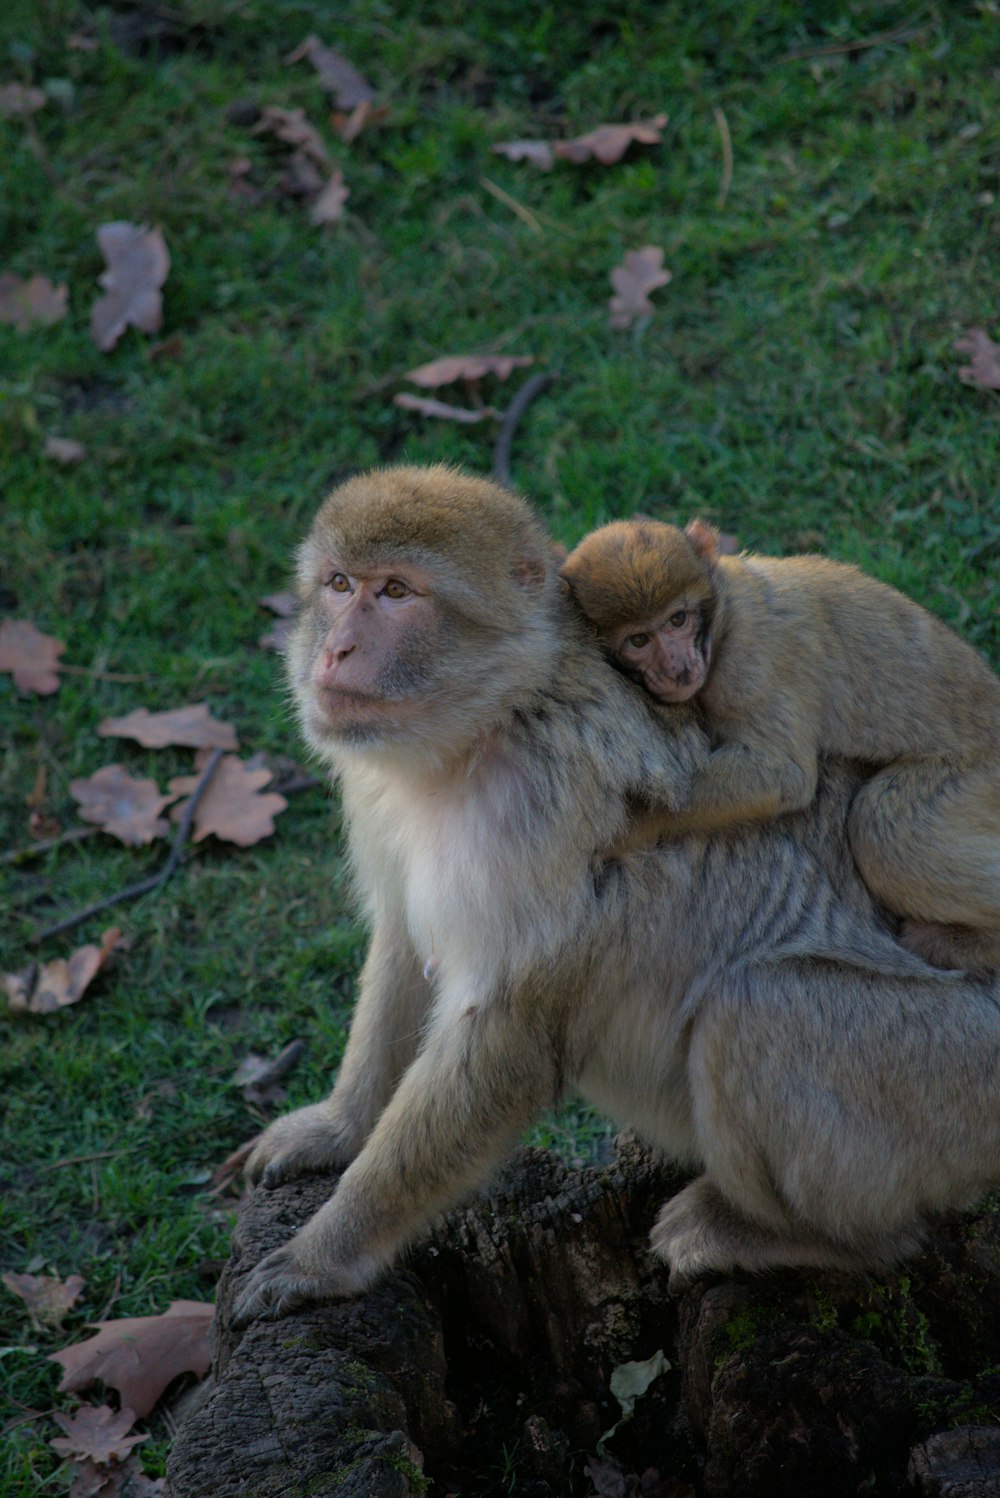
301 177
44 987
64 449
336 74
138 263
90 1481
81 41
985 355
277 637
167 348
608 1478
96 1433
466 367
232 807
292 127
350 126
282 604
639 273
223 1175
329 206
16 99
538 152
41 826
140 1355
30 656
36 300
47 1297
260 1076
428 407
191 727
608 143
126 807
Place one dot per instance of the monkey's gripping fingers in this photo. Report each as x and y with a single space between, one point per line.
303 1141
281 1283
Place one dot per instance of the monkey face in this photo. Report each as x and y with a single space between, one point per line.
668 655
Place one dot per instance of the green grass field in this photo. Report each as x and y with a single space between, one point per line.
796 384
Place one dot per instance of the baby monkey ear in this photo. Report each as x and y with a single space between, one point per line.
704 539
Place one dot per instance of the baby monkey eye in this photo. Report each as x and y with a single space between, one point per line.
340 583
637 642
679 618
395 589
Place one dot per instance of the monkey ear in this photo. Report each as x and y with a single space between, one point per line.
704 539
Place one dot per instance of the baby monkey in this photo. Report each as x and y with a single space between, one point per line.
793 657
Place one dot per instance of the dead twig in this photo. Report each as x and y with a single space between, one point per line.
902 33
44 844
145 886
89 1159
524 214
512 418
727 156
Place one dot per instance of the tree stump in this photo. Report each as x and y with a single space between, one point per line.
483 1367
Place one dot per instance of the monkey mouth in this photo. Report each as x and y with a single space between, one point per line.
674 688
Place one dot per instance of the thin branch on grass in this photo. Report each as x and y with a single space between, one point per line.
145 886
512 418
902 33
524 214
45 844
727 156
105 675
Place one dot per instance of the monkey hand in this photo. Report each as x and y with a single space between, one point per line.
304 1270
304 1141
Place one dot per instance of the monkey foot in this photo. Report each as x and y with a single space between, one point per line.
301 1142
279 1284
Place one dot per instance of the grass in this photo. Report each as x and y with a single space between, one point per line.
797 384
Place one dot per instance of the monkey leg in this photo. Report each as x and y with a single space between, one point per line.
391 1009
926 839
458 1109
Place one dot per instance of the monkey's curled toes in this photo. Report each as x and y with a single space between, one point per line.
280 1283
303 1141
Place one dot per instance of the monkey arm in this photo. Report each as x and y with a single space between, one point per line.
390 1012
458 1109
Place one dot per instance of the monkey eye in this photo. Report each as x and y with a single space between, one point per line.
395 589
637 641
340 583
679 618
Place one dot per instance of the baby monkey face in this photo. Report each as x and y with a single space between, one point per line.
668 654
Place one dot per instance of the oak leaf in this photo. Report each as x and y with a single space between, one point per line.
329 206
191 727
608 143
16 98
985 355
44 987
64 449
232 806
47 1297
140 1355
336 74
96 1433
30 656
122 804
138 263
292 127
36 300
538 152
426 406
466 367
639 273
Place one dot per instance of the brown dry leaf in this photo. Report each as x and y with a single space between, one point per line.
350 126
223 1175
336 74
96 1433
329 206
140 1355
47 1297
282 604
466 367
191 727
44 987
608 143
985 355
301 178
538 152
639 273
16 99
260 1076
138 264
36 300
232 807
64 449
32 658
126 807
425 406
292 127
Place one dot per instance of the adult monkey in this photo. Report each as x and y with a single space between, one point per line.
736 1000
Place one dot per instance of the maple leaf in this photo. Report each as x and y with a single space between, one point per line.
36 300
191 727
428 407
123 805
64 449
639 273
466 367
96 1433
16 99
138 263
47 1297
329 206
30 656
608 143
336 75
44 987
232 807
538 152
985 354
292 127
140 1355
